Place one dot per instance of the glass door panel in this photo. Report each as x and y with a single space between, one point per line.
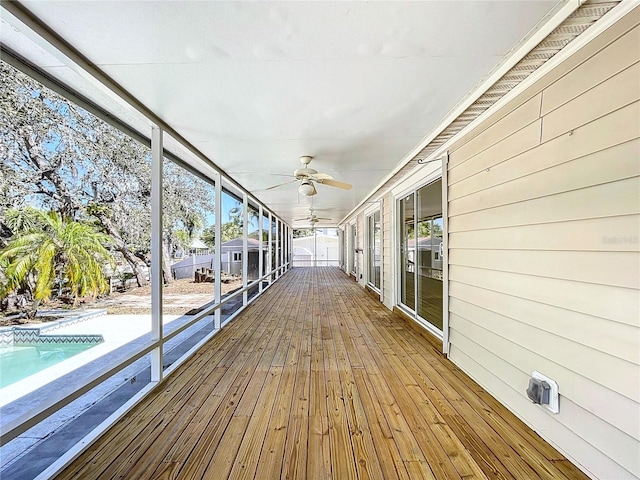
407 252
375 243
353 250
429 264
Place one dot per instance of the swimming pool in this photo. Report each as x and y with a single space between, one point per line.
19 362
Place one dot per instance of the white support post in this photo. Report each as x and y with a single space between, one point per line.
156 253
245 248
260 247
445 255
217 258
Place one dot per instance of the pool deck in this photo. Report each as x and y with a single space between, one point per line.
31 452
122 334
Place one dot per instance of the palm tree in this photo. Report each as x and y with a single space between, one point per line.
50 249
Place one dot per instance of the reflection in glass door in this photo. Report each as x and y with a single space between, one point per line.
421 253
429 272
375 249
352 266
407 253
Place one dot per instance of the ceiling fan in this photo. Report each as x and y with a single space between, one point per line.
308 176
311 218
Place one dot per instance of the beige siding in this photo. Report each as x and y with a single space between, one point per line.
544 227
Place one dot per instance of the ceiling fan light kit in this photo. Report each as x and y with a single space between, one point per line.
307 189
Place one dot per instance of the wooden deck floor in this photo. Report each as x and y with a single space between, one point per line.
316 379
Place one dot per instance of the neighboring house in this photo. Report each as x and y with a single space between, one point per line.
231 252
231 259
186 267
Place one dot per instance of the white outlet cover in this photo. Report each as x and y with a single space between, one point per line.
554 400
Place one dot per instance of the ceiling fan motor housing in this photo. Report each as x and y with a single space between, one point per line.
304 172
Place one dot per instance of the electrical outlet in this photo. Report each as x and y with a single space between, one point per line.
553 393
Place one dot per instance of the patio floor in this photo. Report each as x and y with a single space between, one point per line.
317 379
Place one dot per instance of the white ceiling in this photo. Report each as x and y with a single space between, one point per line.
255 85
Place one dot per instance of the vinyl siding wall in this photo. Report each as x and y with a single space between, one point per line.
544 252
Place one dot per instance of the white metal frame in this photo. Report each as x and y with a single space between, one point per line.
445 254
368 248
156 254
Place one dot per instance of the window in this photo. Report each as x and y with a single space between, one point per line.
237 256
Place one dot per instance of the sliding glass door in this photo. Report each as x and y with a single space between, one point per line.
421 250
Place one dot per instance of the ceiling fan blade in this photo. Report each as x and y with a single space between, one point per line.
335 183
322 218
301 219
321 176
281 184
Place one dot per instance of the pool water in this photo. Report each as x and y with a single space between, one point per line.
19 362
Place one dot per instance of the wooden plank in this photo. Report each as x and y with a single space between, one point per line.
319 380
251 444
601 466
436 439
294 456
366 462
319 456
342 455
223 458
127 430
482 418
428 355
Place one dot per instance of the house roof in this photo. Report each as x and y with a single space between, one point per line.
252 243
197 244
